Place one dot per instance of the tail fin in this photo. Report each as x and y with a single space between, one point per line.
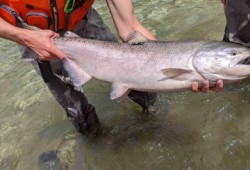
27 54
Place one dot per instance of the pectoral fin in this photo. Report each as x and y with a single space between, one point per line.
77 76
174 72
118 91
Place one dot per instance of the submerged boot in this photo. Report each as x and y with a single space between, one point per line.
87 123
145 99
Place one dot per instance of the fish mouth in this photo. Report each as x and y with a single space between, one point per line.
245 61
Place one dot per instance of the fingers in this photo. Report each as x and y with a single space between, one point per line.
195 87
205 86
219 85
56 52
46 56
51 51
50 58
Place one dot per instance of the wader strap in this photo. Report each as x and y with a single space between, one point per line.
12 12
55 14
46 70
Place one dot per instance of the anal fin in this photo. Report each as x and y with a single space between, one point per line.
118 91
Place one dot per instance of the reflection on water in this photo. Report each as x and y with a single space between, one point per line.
190 131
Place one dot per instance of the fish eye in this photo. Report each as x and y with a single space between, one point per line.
233 52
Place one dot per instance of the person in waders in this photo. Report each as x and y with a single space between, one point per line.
55 17
237 14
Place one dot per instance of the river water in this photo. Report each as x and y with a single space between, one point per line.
190 132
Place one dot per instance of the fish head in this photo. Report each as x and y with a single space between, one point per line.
221 60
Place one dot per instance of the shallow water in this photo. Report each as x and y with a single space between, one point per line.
191 131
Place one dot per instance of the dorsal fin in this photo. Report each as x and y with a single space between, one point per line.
118 91
136 38
70 34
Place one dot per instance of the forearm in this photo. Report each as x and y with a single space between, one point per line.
10 32
139 27
125 19
41 41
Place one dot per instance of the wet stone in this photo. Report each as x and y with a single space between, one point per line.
49 161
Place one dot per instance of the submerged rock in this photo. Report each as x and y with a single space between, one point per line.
49 161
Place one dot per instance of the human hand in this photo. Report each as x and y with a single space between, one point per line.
205 86
41 42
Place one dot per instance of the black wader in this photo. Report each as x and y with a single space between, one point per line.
237 14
